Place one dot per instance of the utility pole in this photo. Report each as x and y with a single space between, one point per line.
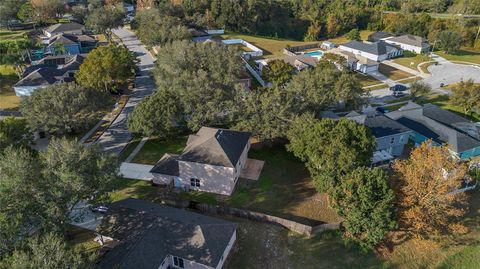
476 38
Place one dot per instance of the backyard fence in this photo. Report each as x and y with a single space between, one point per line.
215 31
294 226
291 51
255 50
255 74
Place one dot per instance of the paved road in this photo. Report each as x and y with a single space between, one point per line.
117 135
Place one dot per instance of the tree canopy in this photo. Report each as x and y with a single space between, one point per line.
449 41
425 183
104 19
107 67
63 108
278 72
419 89
14 131
466 95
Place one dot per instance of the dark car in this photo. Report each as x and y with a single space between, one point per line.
398 88
99 209
382 109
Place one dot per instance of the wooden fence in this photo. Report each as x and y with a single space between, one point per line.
254 216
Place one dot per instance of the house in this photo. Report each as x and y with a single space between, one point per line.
70 44
299 62
327 45
49 72
391 136
441 126
147 235
212 162
71 28
377 36
410 43
360 63
378 51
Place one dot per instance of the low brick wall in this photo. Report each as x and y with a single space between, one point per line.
294 226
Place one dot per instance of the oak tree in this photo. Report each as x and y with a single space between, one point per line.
278 72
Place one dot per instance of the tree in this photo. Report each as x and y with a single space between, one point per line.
336 59
48 251
14 131
80 13
104 19
204 76
48 9
26 13
325 86
159 114
466 95
419 88
425 185
266 113
330 148
449 41
63 108
278 72
155 28
9 10
365 202
107 67
354 34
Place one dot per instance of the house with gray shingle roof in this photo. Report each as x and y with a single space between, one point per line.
211 161
441 126
72 28
377 51
147 235
411 43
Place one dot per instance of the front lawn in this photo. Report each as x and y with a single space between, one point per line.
8 99
393 73
411 60
464 55
155 148
272 47
123 188
367 80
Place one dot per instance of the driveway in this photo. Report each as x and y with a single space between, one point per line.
117 136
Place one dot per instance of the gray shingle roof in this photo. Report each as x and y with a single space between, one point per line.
378 124
149 232
64 27
377 36
167 165
410 40
215 146
440 125
377 48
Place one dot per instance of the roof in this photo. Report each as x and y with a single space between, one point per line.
410 40
442 126
167 165
213 146
149 232
377 48
67 39
64 27
301 61
379 125
377 36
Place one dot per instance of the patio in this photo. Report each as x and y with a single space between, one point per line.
252 169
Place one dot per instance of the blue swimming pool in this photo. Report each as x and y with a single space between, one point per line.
317 53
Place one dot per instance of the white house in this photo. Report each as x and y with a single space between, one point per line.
411 43
150 235
360 63
212 162
378 51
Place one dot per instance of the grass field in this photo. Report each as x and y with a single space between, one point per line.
343 39
8 99
393 73
464 55
11 35
271 47
367 80
411 60
154 149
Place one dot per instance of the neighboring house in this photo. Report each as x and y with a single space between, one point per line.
147 235
299 62
378 51
391 136
360 63
441 126
377 36
211 162
327 45
71 28
51 71
410 43
71 44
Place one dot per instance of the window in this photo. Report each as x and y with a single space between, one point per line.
178 262
392 140
195 182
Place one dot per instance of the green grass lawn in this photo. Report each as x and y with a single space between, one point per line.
272 47
12 35
411 60
393 73
266 246
343 39
367 80
154 149
8 99
464 55
122 188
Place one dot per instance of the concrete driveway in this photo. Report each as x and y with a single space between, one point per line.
117 136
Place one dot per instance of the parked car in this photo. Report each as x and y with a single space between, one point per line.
398 88
382 109
398 94
99 209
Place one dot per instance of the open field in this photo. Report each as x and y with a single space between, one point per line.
271 47
8 99
464 55
392 73
343 39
